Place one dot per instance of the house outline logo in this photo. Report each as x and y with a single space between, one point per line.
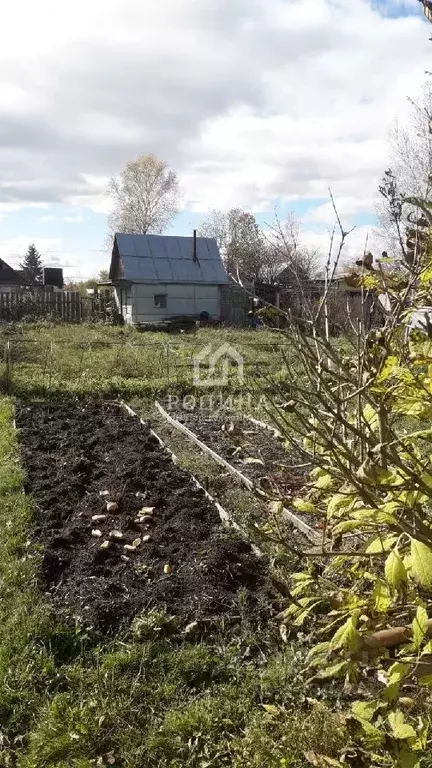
225 354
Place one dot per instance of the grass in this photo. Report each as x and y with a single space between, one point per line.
152 696
55 360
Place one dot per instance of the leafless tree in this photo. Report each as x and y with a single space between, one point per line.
291 261
145 197
240 241
215 225
410 175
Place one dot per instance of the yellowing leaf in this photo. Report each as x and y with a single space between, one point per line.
336 670
421 563
370 416
323 483
397 672
251 460
381 598
394 570
378 544
400 729
420 626
304 506
347 636
337 502
365 710
272 710
346 525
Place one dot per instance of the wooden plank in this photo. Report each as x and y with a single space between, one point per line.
225 517
287 514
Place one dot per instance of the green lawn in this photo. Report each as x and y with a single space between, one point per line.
97 360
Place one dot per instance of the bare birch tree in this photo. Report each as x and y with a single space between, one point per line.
410 172
145 197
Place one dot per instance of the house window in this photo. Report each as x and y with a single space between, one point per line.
160 300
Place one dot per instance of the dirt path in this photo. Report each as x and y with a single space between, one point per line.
80 457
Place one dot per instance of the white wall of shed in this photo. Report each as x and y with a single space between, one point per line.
182 299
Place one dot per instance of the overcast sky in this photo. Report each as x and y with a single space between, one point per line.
261 104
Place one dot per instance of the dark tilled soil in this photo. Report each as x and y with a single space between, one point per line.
74 454
239 441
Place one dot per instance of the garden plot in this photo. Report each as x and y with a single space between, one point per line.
255 451
122 528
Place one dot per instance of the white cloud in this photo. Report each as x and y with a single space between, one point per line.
250 100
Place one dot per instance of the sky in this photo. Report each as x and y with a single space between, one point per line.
259 104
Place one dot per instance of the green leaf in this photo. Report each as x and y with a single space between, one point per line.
323 483
420 626
365 709
421 562
347 636
394 570
408 759
381 597
319 648
397 672
370 416
346 525
304 506
337 502
378 544
336 670
388 368
400 729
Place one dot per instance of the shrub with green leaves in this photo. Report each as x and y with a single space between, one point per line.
363 421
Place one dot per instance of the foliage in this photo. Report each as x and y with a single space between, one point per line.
32 267
145 197
364 419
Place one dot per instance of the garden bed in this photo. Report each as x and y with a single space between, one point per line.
250 448
79 458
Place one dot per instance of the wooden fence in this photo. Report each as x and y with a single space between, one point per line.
68 306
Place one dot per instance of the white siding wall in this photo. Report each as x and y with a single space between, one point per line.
187 299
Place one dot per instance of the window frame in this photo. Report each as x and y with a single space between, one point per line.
160 297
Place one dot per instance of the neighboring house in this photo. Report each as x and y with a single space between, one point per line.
10 279
157 277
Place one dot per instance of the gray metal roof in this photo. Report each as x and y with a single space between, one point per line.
165 259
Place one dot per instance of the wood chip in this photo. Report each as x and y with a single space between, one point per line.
146 539
136 542
103 493
125 558
116 535
168 568
129 548
96 533
98 518
146 511
112 506
105 544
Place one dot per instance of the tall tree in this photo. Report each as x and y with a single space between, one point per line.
409 175
145 197
32 266
289 260
240 241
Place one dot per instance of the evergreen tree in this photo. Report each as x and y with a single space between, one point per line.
32 266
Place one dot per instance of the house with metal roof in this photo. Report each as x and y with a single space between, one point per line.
159 277
10 279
